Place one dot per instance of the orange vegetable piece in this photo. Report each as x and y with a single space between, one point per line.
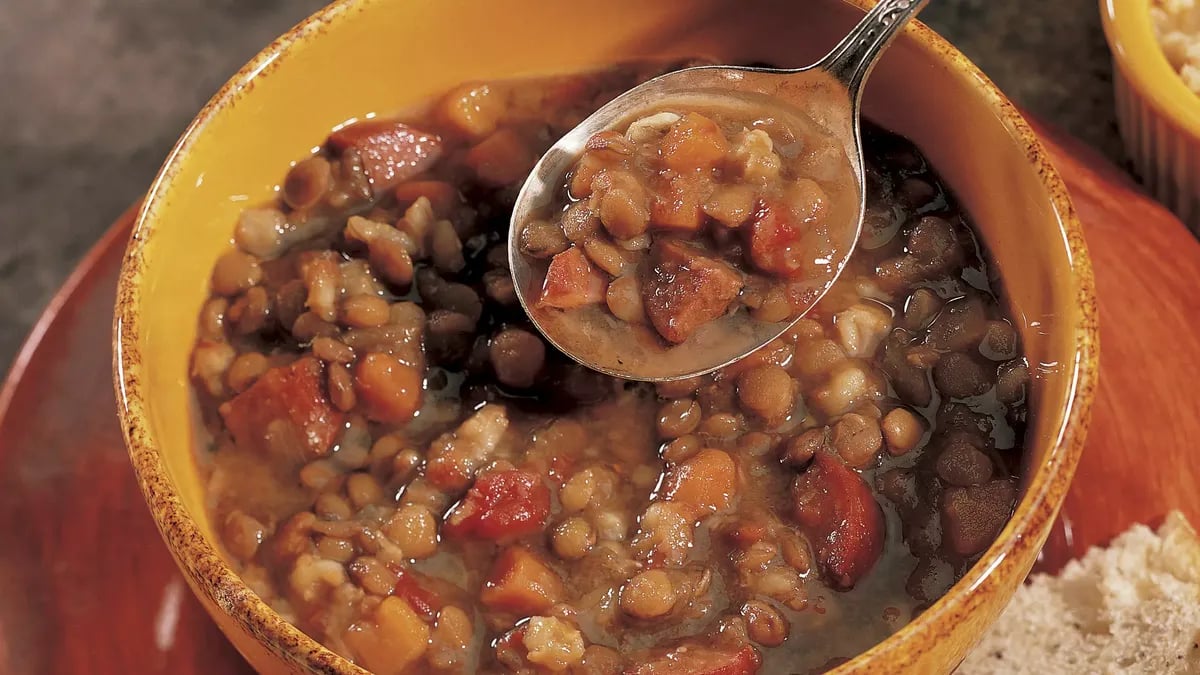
686 289
693 143
572 282
521 583
501 159
705 483
388 388
393 638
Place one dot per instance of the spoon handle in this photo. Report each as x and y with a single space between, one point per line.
852 59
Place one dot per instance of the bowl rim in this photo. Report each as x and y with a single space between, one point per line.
208 572
1139 57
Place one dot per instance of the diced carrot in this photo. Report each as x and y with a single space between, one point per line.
521 583
390 390
286 412
834 504
693 143
501 505
705 483
699 659
679 202
442 196
391 152
393 638
501 159
776 239
572 282
686 289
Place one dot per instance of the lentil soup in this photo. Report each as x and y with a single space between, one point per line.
399 465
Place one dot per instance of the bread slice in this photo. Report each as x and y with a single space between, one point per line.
1133 607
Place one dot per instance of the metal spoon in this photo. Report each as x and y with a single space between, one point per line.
828 93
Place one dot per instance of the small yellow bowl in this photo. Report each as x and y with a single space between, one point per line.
1158 114
359 57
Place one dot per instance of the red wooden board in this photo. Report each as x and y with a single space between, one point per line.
86 584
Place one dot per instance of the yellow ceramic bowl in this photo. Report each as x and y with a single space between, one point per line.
362 56
1158 115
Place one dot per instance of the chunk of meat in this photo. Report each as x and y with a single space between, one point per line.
705 483
454 456
572 281
686 289
777 243
391 152
391 639
695 142
286 413
696 659
835 506
521 583
501 505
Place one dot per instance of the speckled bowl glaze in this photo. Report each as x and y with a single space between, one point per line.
1158 115
364 56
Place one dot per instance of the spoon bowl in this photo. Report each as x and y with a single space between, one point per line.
825 96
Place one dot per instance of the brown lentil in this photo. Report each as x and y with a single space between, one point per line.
766 391
364 311
245 369
573 538
902 430
678 417
765 624
341 388
235 272
648 595
857 438
414 529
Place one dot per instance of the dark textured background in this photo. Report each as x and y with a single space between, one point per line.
94 92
